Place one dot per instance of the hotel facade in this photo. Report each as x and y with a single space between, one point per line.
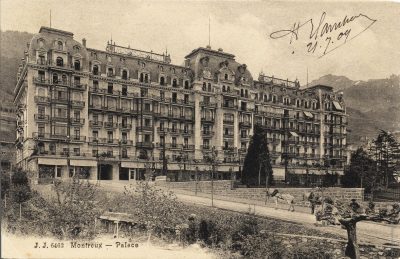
119 113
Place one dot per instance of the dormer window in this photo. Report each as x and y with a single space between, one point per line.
124 74
59 62
95 70
77 65
59 45
226 76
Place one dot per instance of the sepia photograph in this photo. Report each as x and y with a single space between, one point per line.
200 129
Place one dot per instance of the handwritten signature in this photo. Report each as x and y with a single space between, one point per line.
326 36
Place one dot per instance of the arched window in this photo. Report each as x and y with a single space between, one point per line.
186 84
226 76
241 93
204 86
59 62
174 84
110 72
246 94
64 79
146 78
209 87
141 77
124 153
59 45
223 88
95 70
55 78
228 89
124 74
77 65
162 80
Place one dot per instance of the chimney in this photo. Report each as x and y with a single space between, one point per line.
84 42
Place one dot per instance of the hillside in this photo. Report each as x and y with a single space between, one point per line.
372 104
12 46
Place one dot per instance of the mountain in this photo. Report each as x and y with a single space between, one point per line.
371 105
12 46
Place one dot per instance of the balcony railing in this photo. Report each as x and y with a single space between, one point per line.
96 124
144 144
144 128
228 121
42 99
125 126
77 138
75 103
78 86
188 147
205 147
207 119
208 104
59 118
110 124
40 135
245 124
207 133
41 117
77 121
40 80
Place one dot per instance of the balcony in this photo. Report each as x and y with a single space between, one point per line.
79 139
144 144
95 124
144 128
60 99
48 136
207 119
77 121
162 130
41 117
228 135
41 81
245 124
110 125
205 147
42 99
187 132
188 147
59 118
174 131
230 106
126 142
208 104
125 126
229 148
188 117
175 146
207 133
77 104
228 121
78 86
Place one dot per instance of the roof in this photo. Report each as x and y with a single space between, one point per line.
45 29
211 52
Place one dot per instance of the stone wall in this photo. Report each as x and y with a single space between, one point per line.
226 189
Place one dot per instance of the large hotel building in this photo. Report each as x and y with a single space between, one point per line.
119 113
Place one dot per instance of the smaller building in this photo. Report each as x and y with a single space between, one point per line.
7 135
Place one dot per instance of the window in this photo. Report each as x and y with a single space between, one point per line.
77 115
95 70
41 111
59 62
147 138
186 84
41 130
162 95
95 85
147 123
55 78
124 153
110 118
206 143
186 98
41 60
77 151
186 142
173 141
246 94
124 74
124 90
146 78
41 76
59 45
226 76
174 97
147 107
204 87
124 122
110 72
95 134
209 87
143 92
110 88
124 137
141 78
109 136
77 65
162 80
162 140
77 81
174 83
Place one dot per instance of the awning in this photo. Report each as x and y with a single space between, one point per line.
52 161
294 134
90 163
337 106
129 165
308 114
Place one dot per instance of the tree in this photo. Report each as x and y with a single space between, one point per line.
20 189
361 172
386 151
257 164
72 210
348 215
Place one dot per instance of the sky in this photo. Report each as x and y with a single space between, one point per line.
242 28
